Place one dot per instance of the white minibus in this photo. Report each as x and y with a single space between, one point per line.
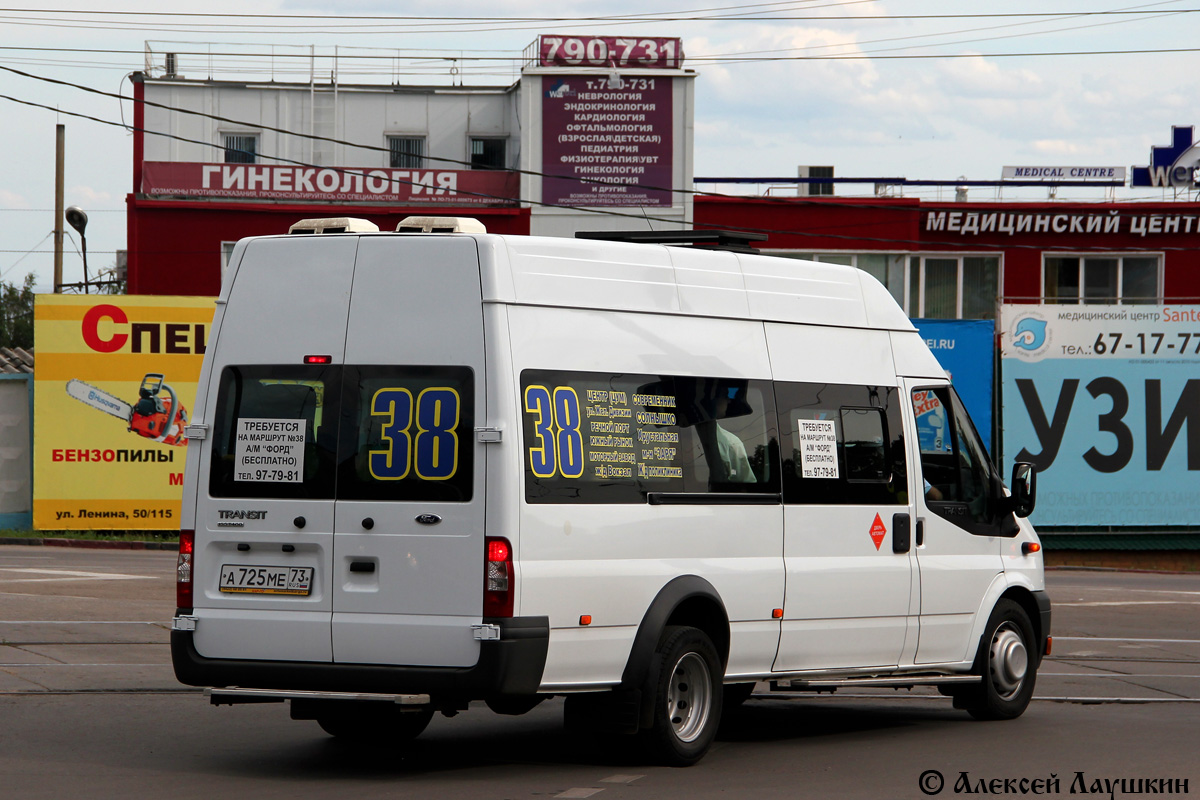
434 467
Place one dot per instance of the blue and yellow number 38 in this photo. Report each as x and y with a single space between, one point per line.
432 452
557 443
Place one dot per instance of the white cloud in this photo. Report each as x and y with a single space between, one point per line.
85 196
1056 147
977 78
12 200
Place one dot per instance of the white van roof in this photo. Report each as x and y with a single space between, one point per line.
662 279
536 270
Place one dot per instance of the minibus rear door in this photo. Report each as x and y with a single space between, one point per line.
408 543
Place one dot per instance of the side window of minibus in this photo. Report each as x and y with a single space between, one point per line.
843 444
726 432
596 437
954 464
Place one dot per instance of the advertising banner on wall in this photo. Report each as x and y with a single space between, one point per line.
966 349
446 187
116 378
1105 401
613 132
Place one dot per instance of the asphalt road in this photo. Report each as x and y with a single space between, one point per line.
89 706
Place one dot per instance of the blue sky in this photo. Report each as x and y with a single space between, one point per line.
978 105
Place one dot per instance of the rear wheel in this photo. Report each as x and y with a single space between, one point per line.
686 691
382 725
1008 662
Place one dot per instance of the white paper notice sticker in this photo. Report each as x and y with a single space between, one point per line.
269 450
818 448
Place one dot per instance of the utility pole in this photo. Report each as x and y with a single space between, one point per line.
59 163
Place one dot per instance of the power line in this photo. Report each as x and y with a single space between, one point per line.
355 173
694 59
34 249
696 16
640 217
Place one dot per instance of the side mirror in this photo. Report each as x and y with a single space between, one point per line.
1024 488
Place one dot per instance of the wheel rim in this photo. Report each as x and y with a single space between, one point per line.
1009 661
689 698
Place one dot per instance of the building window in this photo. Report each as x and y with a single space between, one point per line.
407 152
489 154
241 148
1128 280
953 287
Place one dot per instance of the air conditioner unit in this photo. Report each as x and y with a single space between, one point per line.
334 225
440 225
814 189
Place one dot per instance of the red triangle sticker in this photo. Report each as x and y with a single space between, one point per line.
878 531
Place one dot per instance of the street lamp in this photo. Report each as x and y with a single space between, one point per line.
77 219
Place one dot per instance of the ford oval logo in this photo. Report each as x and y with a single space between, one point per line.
429 519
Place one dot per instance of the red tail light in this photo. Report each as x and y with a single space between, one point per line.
499 583
183 569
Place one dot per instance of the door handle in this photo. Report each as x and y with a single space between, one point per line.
362 566
901 533
920 532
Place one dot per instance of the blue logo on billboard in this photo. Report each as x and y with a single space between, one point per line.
1030 335
560 89
1176 165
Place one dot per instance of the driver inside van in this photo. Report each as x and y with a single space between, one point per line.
730 449
724 452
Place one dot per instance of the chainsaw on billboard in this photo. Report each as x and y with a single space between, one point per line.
157 414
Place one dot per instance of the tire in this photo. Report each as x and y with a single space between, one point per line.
735 694
685 687
377 726
1008 661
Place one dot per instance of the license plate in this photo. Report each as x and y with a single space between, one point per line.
266 580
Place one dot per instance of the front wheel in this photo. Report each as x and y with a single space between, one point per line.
685 683
1008 662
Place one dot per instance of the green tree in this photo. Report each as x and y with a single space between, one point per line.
16 313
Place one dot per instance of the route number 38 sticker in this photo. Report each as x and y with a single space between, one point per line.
269 450
419 438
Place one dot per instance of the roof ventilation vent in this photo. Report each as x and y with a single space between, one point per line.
334 225
440 225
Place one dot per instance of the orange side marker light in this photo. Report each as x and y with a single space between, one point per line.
1030 547
777 613
585 619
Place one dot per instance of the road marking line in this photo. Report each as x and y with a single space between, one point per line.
80 621
70 573
578 794
56 580
1161 591
833 699
1131 603
621 778
84 665
1121 639
1108 675
1132 701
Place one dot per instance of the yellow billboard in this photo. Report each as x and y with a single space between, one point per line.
115 380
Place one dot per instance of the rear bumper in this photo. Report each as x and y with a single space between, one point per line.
510 665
